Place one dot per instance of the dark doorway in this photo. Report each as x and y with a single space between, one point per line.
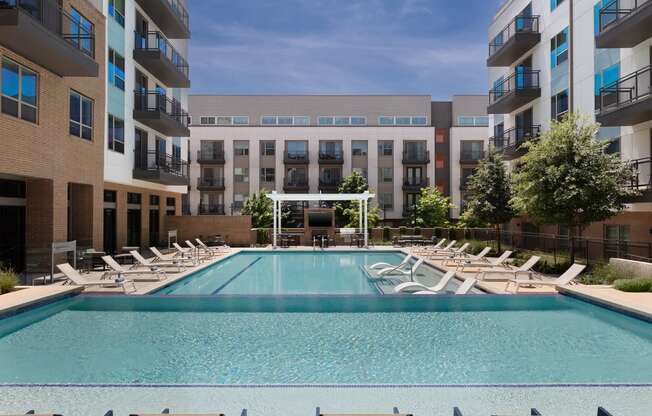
12 230
133 227
110 224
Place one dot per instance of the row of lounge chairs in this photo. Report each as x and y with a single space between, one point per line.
144 270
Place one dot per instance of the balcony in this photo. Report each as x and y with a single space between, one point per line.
642 180
210 184
331 158
420 157
624 24
515 91
210 157
329 185
509 143
160 168
296 157
296 185
518 37
211 209
169 15
471 157
626 102
415 184
47 35
153 51
155 110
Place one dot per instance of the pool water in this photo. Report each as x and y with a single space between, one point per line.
283 273
402 340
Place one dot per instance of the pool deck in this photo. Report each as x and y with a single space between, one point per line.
31 295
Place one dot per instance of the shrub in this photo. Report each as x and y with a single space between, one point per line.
640 284
476 246
604 274
8 280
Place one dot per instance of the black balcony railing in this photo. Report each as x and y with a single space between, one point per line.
300 156
211 209
208 182
331 156
642 173
157 101
330 183
522 79
616 10
57 20
520 24
179 10
155 41
210 156
625 91
512 138
161 163
415 183
296 183
471 156
416 157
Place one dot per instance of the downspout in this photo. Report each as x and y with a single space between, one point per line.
571 86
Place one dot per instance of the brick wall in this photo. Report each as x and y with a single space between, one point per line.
236 230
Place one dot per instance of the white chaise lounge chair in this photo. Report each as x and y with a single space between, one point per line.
143 262
166 258
565 279
503 275
486 263
430 248
201 251
153 274
448 248
214 249
383 265
476 258
73 276
464 288
443 255
414 286
394 271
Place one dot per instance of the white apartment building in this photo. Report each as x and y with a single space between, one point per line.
548 57
242 144
145 158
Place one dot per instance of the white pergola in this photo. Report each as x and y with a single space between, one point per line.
363 207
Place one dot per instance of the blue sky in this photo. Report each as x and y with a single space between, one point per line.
436 47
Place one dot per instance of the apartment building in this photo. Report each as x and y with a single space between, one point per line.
593 57
52 66
307 144
145 162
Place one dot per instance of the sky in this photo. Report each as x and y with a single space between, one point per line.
436 47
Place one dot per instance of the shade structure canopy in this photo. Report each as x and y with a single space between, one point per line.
363 208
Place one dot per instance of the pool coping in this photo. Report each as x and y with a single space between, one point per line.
632 311
56 293
328 385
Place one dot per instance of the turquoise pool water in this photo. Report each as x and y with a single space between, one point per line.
285 273
242 340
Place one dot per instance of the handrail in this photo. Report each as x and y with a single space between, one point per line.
330 182
155 41
519 80
49 14
211 208
638 178
423 182
519 24
180 11
210 154
298 155
331 155
210 182
472 155
626 90
515 136
158 101
155 161
616 10
416 155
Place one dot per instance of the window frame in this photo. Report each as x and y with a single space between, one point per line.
80 123
111 129
19 101
364 153
245 150
264 175
207 118
113 75
554 106
559 50
264 150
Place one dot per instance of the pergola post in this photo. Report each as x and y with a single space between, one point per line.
366 224
274 202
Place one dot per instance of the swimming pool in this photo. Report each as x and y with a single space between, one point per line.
293 272
324 340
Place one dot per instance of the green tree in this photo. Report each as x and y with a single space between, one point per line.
490 193
432 208
261 209
352 184
352 217
567 178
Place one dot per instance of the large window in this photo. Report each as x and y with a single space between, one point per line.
116 134
116 70
359 148
559 48
285 120
473 121
403 120
267 174
385 175
81 30
241 174
386 201
81 116
559 105
472 150
385 148
268 148
342 121
117 11
604 78
207 120
555 3
19 91
241 148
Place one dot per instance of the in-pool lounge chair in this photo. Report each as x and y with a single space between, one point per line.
499 262
33 413
503 275
395 271
565 279
151 275
464 288
415 287
533 412
395 412
444 255
143 262
73 276
383 265
167 412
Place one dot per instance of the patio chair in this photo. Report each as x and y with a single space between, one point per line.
414 286
73 276
446 255
201 251
382 265
143 262
463 289
565 279
395 412
495 263
136 275
426 249
216 248
165 258
388 272
477 258
525 268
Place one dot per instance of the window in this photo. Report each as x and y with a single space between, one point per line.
473 121
133 198
359 148
117 11
223 120
19 91
207 120
342 121
386 201
116 70
267 174
116 134
472 150
81 116
617 232
301 121
385 148
154 200
81 30
559 48
326 121
419 121
358 121
285 120
241 148
386 121
386 175
559 105
403 121
110 196
605 78
267 120
268 148
241 174
241 120
555 3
